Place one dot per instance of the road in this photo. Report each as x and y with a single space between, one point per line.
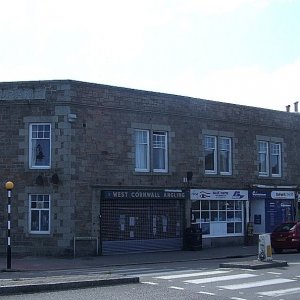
193 280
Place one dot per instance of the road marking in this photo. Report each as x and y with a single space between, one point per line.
206 293
176 288
149 282
255 284
279 293
191 275
220 278
236 298
274 273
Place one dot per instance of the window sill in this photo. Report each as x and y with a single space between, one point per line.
151 173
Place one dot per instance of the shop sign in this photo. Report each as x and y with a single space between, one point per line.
144 194
283 195
201 194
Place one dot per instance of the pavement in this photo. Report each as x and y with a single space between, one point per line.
30 274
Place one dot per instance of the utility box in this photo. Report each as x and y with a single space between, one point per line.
193 238
264 248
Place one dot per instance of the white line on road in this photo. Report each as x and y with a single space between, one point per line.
220 278
192 275
206 293
149 282
279 293
176 288
255 284
236 298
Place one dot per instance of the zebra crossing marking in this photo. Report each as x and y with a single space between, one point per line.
280 292
256 284
149 282
177 276
176 288
207 293
220 278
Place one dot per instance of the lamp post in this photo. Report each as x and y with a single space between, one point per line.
9 186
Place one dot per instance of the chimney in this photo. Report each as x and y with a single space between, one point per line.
288 108
296 106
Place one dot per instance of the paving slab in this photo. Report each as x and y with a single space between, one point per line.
255 264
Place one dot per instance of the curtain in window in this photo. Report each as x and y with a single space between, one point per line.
141 149
159 151
225 155
263 157
210 153
275 159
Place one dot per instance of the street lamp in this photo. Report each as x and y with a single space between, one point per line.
9 186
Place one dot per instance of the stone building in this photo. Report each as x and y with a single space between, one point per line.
105 169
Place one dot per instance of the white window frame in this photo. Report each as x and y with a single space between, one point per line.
32 165
39 209
278 155
263 149
151 145
267 151
229 150
211 148
147 169
161 145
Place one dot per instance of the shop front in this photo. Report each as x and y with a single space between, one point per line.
269 208
219 213
141 220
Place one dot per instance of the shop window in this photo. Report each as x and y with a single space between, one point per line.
218 155
151 151
39 214
218 217
269 159
40 146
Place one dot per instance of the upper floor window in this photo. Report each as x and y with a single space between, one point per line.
40 146
218 155
269 159
39 214
151 151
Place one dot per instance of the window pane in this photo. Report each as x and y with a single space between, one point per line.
210 153
205 216
238 205
238 227
40 145
225 155
141 149
275 159
263 157
205 205
230 205
214 205
230 227
222 205
214 216
159 151
34 220
44 220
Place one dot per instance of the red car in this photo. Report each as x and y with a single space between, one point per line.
286 236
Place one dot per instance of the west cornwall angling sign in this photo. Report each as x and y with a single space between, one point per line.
144 194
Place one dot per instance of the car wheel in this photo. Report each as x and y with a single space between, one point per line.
277 250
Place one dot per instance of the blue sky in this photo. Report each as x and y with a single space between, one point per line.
237 51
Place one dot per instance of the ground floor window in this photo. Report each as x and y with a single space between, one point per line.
39 214
218 217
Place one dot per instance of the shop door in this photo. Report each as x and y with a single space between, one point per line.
130 225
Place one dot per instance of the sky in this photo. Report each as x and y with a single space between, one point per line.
237 51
